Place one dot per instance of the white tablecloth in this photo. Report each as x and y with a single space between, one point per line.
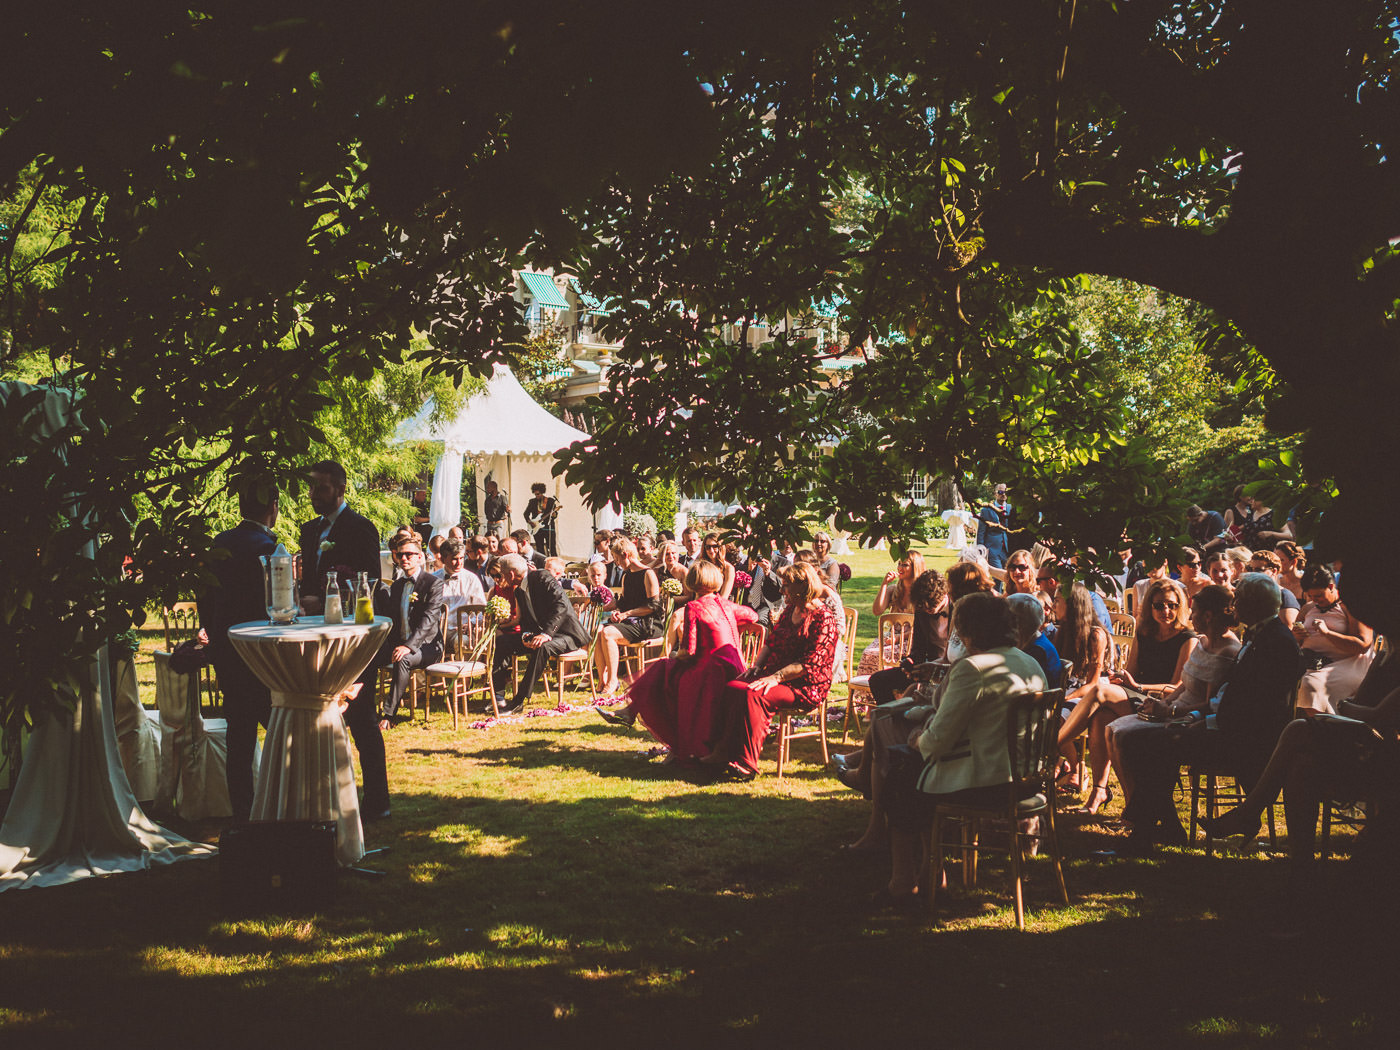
306 771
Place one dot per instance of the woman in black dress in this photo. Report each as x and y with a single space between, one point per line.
1162 643
638 614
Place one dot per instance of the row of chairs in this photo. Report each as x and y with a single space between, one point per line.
466 673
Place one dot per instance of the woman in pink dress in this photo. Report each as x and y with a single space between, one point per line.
676 697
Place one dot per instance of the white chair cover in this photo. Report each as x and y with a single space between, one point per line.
73 814
138 737
194 752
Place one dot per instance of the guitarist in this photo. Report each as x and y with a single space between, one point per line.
540 514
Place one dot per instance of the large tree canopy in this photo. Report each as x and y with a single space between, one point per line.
249 203
940 165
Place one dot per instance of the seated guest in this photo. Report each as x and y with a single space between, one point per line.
636 618
1292 561
763 594
691 543
1336 645
793 670
1019 573
1162 643
930 636
963 744
507 545
1238 559
1354 758
895 597
524 544
1267 562
460 586
673 565
676 698
1157 570
964 578
895 689
712 551
1251 708
595 575
1212 618
1235 517
838 610
547 626
413 604
647 552
603 540
433 563
1188 568
1031 640
896 593
1218 570
827 566
478 563
1087 648
1207 528
457 533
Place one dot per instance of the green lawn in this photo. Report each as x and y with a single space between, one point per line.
549 882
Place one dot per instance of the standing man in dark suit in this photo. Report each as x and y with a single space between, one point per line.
414 605
1253 705
337 539
548 626
239 598
994 523
342 540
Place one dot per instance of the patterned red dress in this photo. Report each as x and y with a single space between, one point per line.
678 698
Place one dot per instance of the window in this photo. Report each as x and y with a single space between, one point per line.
918 487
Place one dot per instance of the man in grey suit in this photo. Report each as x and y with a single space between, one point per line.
548 626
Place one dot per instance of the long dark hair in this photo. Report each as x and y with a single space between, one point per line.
1075 633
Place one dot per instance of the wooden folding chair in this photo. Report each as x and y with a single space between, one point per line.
896 636
578 663
181 623
1031 746
473 647
787 733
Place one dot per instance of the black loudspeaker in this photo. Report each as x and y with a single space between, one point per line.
278 863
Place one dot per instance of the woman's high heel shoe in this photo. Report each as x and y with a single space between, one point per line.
1092 806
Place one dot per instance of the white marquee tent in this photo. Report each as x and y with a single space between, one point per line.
512 440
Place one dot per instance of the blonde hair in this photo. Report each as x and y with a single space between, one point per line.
622 549
801 572
704 577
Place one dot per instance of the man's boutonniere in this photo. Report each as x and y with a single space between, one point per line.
325 546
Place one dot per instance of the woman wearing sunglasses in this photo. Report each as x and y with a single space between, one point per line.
1162 643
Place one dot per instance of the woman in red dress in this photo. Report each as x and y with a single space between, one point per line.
794 670
676 698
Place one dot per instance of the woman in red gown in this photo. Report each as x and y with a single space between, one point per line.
676 697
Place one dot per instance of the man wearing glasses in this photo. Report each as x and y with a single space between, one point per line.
414 605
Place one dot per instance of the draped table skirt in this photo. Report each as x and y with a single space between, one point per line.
306 771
